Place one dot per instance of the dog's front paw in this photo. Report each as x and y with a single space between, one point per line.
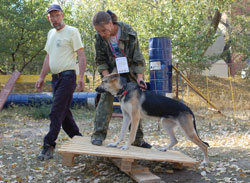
124 147
162 149
114 145
204 163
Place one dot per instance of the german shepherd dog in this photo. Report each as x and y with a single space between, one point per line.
136 104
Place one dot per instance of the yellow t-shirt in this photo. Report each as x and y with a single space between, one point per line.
62 46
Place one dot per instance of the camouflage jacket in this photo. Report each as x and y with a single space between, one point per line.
128 41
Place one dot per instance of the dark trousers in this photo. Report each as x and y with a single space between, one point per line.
63 85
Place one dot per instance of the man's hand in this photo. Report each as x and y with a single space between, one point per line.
44 72
141 82
39 84
80 84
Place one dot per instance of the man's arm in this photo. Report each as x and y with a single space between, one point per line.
44 72
82 68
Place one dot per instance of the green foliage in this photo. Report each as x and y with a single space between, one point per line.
238 31
187 23
23 28
23 32
82 16
83 13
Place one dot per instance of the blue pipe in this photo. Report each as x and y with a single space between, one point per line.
88 99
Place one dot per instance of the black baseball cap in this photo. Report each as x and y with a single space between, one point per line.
54 7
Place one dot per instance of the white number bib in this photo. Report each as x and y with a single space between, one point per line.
122 65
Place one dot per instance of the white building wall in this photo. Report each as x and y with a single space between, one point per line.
219 69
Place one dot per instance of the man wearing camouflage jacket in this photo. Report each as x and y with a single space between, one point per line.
105 60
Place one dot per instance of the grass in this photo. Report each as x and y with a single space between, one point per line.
219 90
220 94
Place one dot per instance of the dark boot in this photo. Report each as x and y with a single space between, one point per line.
97 142
145 145
47 152
142 143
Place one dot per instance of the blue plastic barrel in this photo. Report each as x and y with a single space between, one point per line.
160 65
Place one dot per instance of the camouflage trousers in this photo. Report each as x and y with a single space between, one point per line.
103 116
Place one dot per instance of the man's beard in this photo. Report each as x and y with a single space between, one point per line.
58 26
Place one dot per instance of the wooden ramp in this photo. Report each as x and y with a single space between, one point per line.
8 88
124 159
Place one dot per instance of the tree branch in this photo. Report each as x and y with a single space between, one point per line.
214 25
2 72
31 59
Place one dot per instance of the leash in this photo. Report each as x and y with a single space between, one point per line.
122 92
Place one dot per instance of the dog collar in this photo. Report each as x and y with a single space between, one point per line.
124 93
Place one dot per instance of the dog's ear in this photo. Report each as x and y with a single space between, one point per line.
114 76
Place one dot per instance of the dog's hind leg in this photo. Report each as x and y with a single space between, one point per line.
169 126
187 124
125 124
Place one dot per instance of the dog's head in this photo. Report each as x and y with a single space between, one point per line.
111 83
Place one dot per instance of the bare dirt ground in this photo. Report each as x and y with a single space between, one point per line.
21 141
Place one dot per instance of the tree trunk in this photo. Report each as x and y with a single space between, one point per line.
226 54
214 25
215 21
2 72
13 68
93 82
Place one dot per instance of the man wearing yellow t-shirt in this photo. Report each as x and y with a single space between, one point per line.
63 46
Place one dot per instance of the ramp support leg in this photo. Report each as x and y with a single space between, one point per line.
135 171
68 159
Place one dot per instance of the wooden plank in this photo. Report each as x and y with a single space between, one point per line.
8 88
144 177
134 166
136 172
68 159
125 165
123 159
26 78
133 152
116 103
117 115
137 168
82 145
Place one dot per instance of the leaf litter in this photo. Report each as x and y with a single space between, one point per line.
21 140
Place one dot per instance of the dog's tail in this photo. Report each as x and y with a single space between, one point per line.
196 129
